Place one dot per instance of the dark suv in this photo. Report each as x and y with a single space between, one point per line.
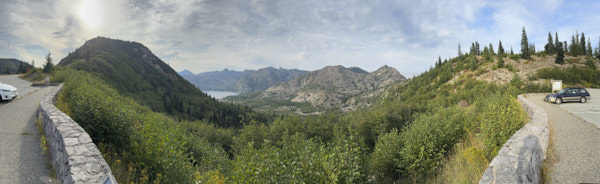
569 94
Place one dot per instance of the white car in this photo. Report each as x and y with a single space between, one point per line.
8 92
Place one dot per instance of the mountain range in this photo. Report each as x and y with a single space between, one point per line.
241 81
333 87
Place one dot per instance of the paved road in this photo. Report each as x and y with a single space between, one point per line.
23 86
576 143
21 158
589 111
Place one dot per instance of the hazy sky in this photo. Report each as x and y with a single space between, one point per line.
305 34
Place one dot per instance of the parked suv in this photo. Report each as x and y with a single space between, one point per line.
569 94
7 92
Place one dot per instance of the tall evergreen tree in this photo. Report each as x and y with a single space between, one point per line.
555 41
566 49
560 55
582 45
524 45
589 48
492 49
439 62
459 51
511 51
597 52
49 66
549 48
500 48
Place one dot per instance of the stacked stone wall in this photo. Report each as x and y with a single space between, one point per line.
520 158
75 157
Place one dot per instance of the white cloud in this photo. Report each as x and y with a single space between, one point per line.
239 34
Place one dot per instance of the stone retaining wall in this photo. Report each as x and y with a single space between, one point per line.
520 159
75 158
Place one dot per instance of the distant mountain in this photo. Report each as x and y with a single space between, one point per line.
333 87
241 81
185 72
136 72
13 66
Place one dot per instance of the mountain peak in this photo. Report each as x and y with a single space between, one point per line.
185 72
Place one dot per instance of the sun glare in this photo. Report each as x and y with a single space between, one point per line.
92 13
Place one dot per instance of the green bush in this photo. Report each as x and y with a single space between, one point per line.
300 160
500 117
572 75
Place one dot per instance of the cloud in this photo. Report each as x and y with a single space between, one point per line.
203 35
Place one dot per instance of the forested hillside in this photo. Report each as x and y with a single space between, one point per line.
13 66
136 73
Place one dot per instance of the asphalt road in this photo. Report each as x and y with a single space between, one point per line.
576 142
589 111
21 158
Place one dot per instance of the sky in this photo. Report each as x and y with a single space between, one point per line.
209 35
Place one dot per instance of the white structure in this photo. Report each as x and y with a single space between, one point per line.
556 85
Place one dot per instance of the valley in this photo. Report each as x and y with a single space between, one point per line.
301 91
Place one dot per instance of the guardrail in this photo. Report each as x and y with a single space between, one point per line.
75 158
520 158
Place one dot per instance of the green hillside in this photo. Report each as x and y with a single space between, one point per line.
13 66
135 72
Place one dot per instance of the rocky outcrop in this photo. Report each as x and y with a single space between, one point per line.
520 159
335 87
75 158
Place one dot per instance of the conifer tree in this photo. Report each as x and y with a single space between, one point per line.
492 49
500 48
560 55
524 45
459 51
555 41
582 45
550 45
589 48
439 62
48 67
511 51
597 52
500 61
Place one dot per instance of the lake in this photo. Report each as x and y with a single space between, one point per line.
220 94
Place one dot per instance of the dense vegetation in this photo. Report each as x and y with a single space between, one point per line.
442 126
393 141
132 70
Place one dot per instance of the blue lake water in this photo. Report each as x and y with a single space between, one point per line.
220 94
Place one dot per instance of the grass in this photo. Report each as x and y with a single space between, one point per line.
550 158
44 145
466 165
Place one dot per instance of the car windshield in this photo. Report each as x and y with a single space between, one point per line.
562 91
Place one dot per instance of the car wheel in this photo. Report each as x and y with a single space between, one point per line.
558 101
583 100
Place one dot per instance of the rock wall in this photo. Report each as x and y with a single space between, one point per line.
520 159
75 158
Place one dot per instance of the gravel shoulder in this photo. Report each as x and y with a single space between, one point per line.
21 158
576 144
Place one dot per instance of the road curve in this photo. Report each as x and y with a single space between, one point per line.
576 144
21 158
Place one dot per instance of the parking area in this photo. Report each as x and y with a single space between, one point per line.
589 111
23 86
